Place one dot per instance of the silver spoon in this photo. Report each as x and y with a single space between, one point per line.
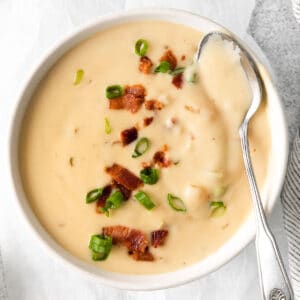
274 282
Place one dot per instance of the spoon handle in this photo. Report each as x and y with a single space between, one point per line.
273 277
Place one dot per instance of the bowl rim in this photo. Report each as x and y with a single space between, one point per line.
118 280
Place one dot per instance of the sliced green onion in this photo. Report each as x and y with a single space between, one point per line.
176 203
93 195
141 147
218 211
112 202
100 246
215 204
141 47
78 77
114 91
149 175
163 67
107 126
219 191
192 78
178 70
218 207
144 199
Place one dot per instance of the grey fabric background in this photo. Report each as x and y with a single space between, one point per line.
3 290
277 32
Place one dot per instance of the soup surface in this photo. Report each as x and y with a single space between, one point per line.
72 132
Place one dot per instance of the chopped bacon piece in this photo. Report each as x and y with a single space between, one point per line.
136 90
124 177
129 135
170 58
102 199
132 102
160 159
135 240
145 64
116 103
178 80
125 192
133 98
182 57
154 105
148 121
158 237
146 256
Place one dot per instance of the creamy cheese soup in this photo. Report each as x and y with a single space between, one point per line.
72 132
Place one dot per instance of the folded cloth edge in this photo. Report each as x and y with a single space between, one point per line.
290 198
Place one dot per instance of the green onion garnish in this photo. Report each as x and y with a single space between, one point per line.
114 91
141 147
144 199
218 207
107 126
163 67
141 47
149 175
112 202
100 246
176 203
178 70
219 191
215 204
192 78
93 195
78 77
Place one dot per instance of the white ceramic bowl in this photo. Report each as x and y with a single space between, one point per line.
245 234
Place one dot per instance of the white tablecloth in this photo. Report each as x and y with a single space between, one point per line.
27 29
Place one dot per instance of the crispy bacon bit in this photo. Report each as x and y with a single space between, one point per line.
145 64
128 135
116 103
125 192
178 80
160 159
147 256
132 102
148 121
133 98
124 177
182 57
135 241
102 199
154 105
170 58
158 237
136 90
